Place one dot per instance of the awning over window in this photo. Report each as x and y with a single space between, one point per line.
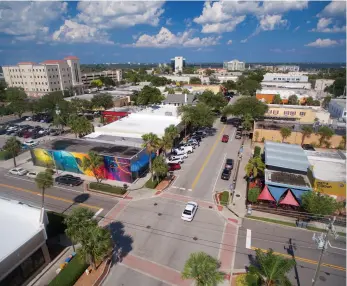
277 192
298 193
289 199
265 195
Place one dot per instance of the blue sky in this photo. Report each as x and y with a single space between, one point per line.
146 31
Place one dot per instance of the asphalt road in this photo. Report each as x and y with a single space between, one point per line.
58 199
306 254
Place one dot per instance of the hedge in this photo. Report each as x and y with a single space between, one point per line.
224 198
253 194
5 155
70 274
257 151
107 188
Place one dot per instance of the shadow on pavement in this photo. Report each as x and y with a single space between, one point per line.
80 199
122 242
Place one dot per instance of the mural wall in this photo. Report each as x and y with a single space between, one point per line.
113 168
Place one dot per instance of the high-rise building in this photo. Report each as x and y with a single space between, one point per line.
234 65
48 76
177 64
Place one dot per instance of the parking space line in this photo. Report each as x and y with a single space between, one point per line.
248 239
219 171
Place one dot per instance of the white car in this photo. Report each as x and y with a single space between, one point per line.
18 171
31 174
179 151
189 211
28 118
181 157
30 143
177 160
188 144
193 141
186 149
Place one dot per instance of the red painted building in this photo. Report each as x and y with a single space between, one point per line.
111 116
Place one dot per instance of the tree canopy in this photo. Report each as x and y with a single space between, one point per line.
338 87
13 146
285 133
326 101
107 81
293 100
93 163
277 99
246 105
325 134
319 204
103 100
149 95
195 80
96 83
197 116
229 85
215 101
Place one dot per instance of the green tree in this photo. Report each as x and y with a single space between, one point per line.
338 87
270 269
326 102
277 99
167 141
195 80
50 101
254 167
14 94
93 162
134 96
253 195
197 116
44 180
246 105
246 86
285 133
96 83
103 100
247 123
214 80
203 268
293 100
325 134
18 107
306 132
309 101
342 144
316 102
13 146
149 95
159 81
170 90
80 125
214 101
151 142
107 81
185 91
81 104
160 168
229 85
189 70
319 204
208 72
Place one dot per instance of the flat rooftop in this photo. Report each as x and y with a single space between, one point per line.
180 99
285 179
286 156
151 119
84 146
19 223
125 141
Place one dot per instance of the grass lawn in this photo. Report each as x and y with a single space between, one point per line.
107 188
224 198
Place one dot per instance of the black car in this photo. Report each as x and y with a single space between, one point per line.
226 174
229 164
68 180
223 119
197 138
308 147
200 134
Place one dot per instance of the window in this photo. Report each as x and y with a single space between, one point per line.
54 83
286 113
292 113
34 76
270 111
302 113
56 89
56 69
275 112
50 77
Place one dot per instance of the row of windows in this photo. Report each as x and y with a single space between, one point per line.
292 113
41 83
292 79
37 70
43 89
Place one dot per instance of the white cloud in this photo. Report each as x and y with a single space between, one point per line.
334 8
29 20
73 32
296 28
270 22
276 50
168 22
322 43
323 26
223 27
229 42
279 7
165 39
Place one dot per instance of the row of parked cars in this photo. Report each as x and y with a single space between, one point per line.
27 131
68 180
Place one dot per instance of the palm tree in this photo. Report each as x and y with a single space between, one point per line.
13 146
93 162
203 268
80 125
271 269
44 180
254 167
325 134
159 167
166 143
306 132
285 133
151 142
171 133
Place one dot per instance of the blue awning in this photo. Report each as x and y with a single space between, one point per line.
277 192
298 193
135 167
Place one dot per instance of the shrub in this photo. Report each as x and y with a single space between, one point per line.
253 195
56 224
224 198
263 139
5 155
241 280
257 151
151 184
70 274
107 188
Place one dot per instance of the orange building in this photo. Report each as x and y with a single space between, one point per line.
267 96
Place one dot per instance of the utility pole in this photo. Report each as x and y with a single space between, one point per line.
322 243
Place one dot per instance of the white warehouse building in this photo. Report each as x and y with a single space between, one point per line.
281 77
48 76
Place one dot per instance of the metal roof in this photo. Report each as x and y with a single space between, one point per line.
179 98
286 156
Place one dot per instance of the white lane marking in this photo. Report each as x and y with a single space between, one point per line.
97 213
190 190
248 239
220 170
175 180
183 189
221 242
175 187
233 136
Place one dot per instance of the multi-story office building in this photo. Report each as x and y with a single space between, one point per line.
177 64
287 68
116 75
48 76
234 65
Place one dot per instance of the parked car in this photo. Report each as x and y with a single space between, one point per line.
238 135
54 132
223 119
174 166
68 180
32 174
174 161
18 171
225 138
183 156
189 211
27 134
30 143
179 152
200 133
229 164
226 174
193 141
196 138
308 147
190 144
186 149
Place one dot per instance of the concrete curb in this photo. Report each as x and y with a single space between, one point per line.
106 194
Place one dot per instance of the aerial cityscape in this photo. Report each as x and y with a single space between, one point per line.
173 143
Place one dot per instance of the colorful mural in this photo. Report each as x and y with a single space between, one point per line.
113 168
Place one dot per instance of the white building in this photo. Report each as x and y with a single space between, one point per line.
234 65
48 76
23 250
287 68
281 77
321 84
116 75
337 108
177 64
